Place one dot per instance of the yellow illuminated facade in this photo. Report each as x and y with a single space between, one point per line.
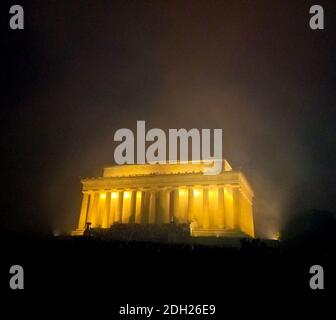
213 205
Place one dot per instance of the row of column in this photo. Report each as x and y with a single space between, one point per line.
206 207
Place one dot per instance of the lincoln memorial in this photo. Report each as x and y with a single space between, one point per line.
212 205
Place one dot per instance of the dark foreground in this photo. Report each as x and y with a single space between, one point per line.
96 277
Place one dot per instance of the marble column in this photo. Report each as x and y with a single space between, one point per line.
166 206
89 214
94 214
162 206
198 206
146 206
119 208
213 213
228 202
206 221
139 206
126 210
176 216
132 207
113 208
171 204
106 211
101 209
246 215
236 207
84 210
152 207
221 207
190 215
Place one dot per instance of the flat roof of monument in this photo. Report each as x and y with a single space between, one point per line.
179 167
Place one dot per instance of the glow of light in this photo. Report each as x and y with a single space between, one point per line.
56 233
139 194
228 194
102 195
126 195
196 193
181 192
114 195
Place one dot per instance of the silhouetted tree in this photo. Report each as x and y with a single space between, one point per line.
312 230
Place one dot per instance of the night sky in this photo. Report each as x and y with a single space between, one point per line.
82 69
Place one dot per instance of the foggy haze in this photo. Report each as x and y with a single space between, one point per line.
253 69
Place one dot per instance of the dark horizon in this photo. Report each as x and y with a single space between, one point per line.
77 73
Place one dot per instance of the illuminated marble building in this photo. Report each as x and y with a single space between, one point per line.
213 205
